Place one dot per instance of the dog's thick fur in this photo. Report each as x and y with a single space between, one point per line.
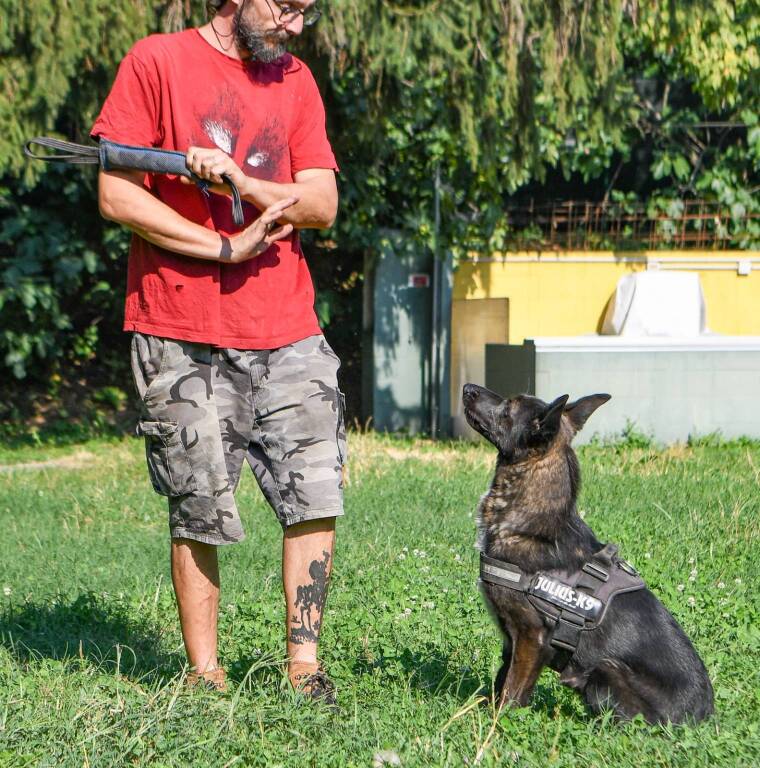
639 660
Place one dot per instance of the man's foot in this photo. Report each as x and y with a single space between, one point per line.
212 680
311 681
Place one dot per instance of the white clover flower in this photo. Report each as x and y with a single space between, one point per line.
737 581
648 555
458 558
386 757
691 601
7 591
691 561
401 556
429 605
721 585
692 577
404 549
693 572
680 587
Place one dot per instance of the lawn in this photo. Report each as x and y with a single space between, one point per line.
91 662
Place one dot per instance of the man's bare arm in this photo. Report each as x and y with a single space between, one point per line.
317 195
123 198
315 188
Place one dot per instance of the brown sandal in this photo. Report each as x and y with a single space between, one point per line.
311 681
211 680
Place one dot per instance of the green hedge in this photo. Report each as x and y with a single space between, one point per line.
502 97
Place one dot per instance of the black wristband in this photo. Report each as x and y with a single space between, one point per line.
225 252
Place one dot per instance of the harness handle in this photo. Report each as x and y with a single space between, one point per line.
111 155
69 152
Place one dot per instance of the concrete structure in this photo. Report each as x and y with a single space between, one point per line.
566 294
670 389
508 298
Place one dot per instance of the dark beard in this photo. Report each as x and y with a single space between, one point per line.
263 46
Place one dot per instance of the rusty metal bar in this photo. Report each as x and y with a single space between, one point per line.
583 224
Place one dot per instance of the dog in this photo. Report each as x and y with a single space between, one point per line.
637 659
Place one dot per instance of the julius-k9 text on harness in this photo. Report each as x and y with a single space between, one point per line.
571 603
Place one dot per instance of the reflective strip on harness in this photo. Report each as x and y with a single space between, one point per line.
500 572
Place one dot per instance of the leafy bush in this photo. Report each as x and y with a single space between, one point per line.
490 100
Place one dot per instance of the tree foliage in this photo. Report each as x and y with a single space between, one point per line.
499 99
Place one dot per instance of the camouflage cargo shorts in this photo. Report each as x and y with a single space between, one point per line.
206 409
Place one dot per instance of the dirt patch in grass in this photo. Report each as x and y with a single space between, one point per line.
378 455
77 460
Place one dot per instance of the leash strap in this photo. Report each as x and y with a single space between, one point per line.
111 155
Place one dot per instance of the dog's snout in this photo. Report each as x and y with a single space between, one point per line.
470 392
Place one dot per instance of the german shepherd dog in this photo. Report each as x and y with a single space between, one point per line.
638 660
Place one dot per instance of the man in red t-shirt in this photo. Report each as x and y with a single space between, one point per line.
228 358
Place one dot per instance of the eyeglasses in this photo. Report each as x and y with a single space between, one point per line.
287 12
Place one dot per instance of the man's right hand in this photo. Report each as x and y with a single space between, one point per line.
258 236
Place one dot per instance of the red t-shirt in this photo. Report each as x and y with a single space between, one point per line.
176 91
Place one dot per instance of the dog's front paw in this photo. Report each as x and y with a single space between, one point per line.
507 701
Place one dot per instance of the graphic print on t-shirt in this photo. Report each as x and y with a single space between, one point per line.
221 122
267 150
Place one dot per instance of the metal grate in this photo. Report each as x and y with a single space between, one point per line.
584 225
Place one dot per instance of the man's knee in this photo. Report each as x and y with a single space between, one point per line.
305 527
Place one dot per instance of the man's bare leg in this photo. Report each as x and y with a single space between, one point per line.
195 575
307 550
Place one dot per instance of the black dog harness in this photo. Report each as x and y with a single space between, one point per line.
573 603
110 155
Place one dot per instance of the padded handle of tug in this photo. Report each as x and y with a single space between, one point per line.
112 155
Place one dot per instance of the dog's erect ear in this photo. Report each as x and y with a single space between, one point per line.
579 411
548 422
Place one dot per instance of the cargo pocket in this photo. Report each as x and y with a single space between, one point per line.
341 434
168 463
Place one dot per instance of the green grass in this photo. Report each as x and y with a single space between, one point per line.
91 657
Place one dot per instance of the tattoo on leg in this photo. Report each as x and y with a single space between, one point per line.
310 597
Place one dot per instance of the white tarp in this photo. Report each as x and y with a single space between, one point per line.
657 303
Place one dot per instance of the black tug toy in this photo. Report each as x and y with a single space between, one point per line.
112 156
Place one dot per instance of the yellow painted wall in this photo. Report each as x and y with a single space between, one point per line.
550 295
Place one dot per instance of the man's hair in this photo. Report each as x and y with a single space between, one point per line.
213 6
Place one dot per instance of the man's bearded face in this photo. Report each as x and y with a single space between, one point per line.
265 45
